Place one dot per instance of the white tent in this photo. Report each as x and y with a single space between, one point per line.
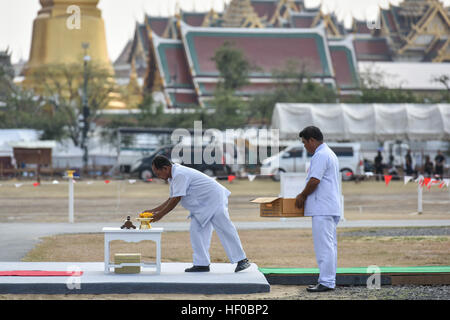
64 153
372 122
8 136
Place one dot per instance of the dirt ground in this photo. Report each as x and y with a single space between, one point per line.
266 248
289 248
96 201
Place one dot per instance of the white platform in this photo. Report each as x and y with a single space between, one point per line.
221 279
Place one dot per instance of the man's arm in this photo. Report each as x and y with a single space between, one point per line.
158 207
169 205
310 188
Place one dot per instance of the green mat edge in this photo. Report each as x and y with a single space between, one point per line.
359 270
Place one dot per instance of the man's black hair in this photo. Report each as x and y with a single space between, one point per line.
311 132
161 161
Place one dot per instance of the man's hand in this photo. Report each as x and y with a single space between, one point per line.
156 217
309 188
300 201
161 212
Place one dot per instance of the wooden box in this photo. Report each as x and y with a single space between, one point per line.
127 258
278 207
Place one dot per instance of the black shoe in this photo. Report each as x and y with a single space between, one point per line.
197 269
242 265
319 288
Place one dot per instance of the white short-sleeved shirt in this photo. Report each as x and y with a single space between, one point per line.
200 194
326 199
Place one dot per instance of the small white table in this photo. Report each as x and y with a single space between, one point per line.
133 235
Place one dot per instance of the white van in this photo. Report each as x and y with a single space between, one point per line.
295 159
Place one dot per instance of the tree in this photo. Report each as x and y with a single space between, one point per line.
59 87
375 90
21 108
232 66
229 112
234 71
444 79
293 85
6 82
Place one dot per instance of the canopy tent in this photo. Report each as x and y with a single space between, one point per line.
64 153
369 122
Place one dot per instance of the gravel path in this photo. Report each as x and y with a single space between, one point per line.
406 292
410 292
398 232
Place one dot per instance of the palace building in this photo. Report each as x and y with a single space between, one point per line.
173 55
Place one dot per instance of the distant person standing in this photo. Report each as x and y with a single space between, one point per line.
428 167
408 163
321 200
439 164
378 162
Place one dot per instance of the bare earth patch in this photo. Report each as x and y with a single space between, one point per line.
96 201
100 202
266 248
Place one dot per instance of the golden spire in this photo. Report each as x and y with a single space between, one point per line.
133 90
177 9
56 41
240 13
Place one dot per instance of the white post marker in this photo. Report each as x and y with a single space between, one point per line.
70 177
342 198
419 194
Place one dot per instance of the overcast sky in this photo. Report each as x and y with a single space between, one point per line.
16 17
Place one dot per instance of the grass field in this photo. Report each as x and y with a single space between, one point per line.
267 248
98 201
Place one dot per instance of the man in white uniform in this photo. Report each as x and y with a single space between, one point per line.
321 201
207 202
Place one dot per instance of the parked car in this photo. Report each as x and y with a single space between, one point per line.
296 159
143 166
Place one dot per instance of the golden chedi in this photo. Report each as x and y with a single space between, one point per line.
60 29
59 32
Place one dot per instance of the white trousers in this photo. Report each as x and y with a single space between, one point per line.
325 247
225 229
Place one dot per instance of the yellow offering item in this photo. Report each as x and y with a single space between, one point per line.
146 215
145 223
145 218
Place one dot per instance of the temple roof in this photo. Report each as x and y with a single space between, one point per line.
139 48
240 13
360 27
265 8
174 71
302 19
418 30
172 62
344 63
124 56
267 48
157 24
194 19
271 32
369 48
